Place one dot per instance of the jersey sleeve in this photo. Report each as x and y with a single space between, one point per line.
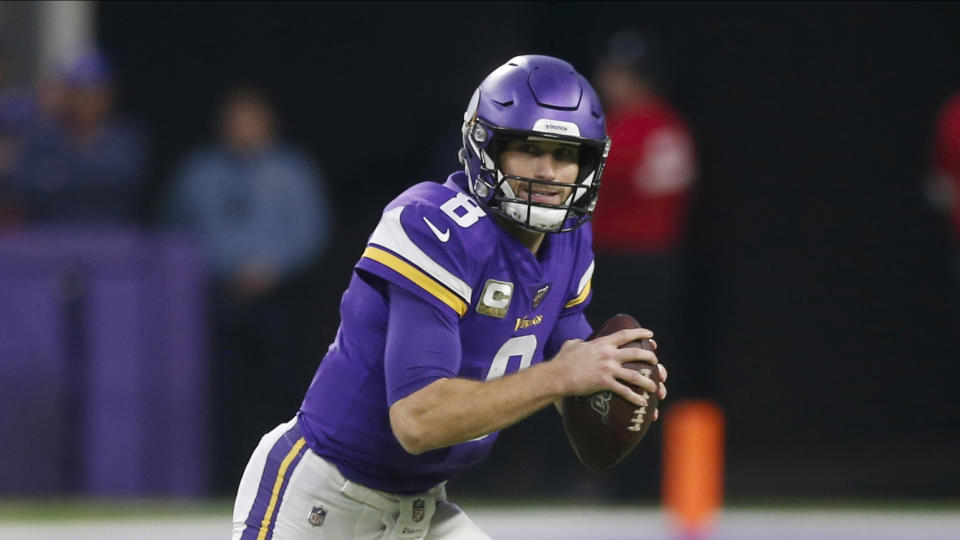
571 325
422 344
419 248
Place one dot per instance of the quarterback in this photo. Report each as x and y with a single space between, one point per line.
464 315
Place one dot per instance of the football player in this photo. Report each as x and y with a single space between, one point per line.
461 292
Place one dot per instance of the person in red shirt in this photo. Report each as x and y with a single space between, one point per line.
639 222
944 186
651 166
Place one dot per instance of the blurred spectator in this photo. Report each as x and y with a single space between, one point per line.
639 222
79 162
258 207
18 113
944 184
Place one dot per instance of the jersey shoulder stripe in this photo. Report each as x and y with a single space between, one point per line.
421 279
583 288
391 246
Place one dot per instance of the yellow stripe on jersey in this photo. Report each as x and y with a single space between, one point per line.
410 272
581 298
284 465
390 234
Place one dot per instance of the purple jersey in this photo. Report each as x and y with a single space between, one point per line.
511 309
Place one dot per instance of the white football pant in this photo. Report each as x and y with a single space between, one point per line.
290 493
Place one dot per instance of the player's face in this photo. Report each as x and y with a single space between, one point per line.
542 160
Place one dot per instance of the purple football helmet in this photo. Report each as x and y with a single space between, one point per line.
536 98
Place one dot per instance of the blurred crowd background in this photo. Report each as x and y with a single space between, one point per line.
184 188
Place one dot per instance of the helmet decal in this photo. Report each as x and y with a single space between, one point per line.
559 127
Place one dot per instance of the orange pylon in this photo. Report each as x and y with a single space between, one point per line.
693 464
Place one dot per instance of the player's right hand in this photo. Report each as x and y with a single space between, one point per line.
586 367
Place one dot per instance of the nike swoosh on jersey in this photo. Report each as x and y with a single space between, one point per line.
442 236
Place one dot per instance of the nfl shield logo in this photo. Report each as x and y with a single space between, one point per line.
317 515
418 510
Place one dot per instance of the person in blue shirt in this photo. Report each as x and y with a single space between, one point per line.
257 204
86 165
258 209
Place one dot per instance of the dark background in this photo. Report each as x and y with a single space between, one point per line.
823 302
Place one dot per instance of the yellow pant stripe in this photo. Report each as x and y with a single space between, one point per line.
284 465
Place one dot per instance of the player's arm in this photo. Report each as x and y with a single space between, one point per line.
430 408
572 324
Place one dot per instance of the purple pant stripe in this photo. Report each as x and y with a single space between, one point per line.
281 449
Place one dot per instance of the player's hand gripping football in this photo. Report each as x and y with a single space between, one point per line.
586 367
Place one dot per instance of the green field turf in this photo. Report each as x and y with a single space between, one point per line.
85 519
53 509
40 509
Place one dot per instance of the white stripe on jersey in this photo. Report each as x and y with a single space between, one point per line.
390 234
586 278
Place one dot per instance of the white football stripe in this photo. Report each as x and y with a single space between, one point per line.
390 234
586 278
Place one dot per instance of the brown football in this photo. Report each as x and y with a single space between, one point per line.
604 428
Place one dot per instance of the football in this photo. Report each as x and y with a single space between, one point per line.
604 428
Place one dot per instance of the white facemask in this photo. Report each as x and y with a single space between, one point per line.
547 218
